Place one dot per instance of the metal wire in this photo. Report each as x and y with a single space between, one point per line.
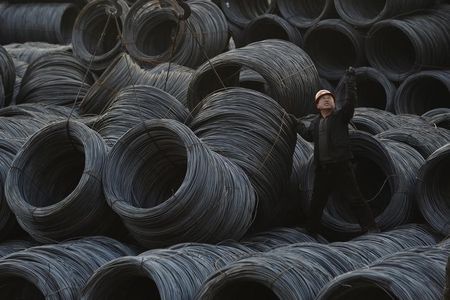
30 51
57 78
54 184
431 190
333 46
289 72
169 187
402 47
241 12
367 13
44 22
304 14
7 77
254 132
422 92
134 104
374 89
13 246
96 40
153 32
251 80
57 271
272 27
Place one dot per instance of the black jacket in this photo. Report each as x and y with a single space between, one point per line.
338 136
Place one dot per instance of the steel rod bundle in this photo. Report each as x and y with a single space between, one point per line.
366 13
272 27
122 72
290 74
54 184
175 273
402 47
241 12
431 190
254 132
374 89
7 77
30 51
414 274
44 22
57 271
304 14
135 104
422 92
169 187
57 78
424 140
96 33
333 46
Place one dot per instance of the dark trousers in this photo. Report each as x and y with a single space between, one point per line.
338 177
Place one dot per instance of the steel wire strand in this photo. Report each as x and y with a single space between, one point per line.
7 77
435 111
402 47
134 104
12 246
374 89
304 14
367 13
423 91
96 36
333 46
369 248
56 271
44 22
122 72
241 12
154 34
386 173
54 184
57 78
290 74
440 120
272 27
175 273
414 274
30 51
253 131
424 140
375 121
169 187
431 190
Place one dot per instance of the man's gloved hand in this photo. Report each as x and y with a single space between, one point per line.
350 77
350 72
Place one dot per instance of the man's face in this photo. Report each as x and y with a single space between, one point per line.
326 102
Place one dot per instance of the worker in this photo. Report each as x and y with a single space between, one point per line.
332 156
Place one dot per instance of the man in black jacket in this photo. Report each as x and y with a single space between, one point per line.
332 156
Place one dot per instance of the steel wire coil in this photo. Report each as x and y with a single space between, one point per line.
304 14
251 80
271 27
153 33
424 140
54 184
290 74
253 131
57 271
13 246
241 13
30 51
175 273
431 190
96 33
386 172
38 111
169 187
237 39
374 89
367 13
134 104
422 92
20 67
333 46
441 120
7 77
413 274
57 78
44 22
402 47
122 72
